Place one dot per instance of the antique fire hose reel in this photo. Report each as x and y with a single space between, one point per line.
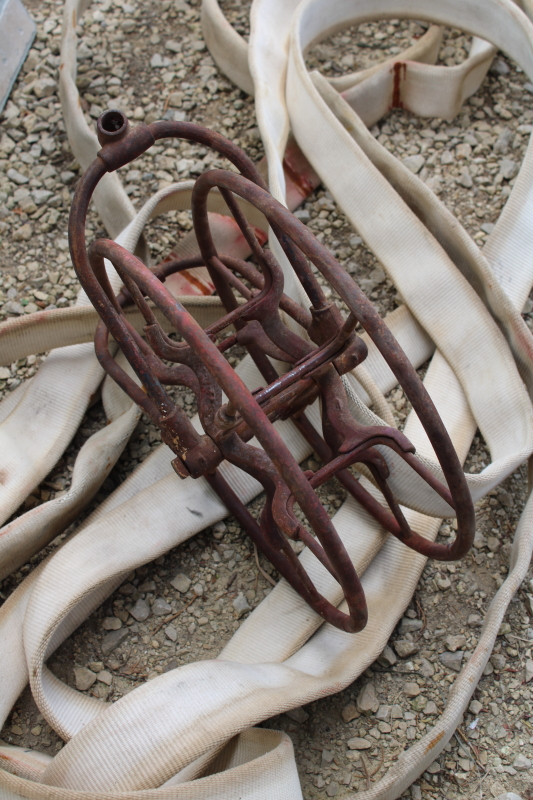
315 368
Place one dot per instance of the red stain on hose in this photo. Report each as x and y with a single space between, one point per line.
399 69
436 739
298 170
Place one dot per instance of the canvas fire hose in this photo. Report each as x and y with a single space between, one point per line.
170 738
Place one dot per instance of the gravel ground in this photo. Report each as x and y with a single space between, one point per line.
150 61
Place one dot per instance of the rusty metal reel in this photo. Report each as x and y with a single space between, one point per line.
256 310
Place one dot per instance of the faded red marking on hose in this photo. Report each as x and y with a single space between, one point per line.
260 235
436 739
399 70
302 182
202 288
300 175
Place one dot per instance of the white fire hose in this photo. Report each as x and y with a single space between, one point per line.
188 734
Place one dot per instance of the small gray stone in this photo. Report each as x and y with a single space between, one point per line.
111 624
141 610
219 529
303 215
388 657
503 141
454 643
508 169
13 307
44 87
452 660
405 648
181 583
427 670
160 607
174 47
505 498
67 176
332 789
49 145
383 713
509 796
529 670
16 176
396 712
463 150
21 193
475 707
488 227
358 744
241 605
498 661
414 163
521 762
431 709
411 689
410 625
113 639
23 233
367 701
349 712
7 145
499 67
377 275
158 61
84 678
171 633
198 589
147 586
465 179
299 714
105 677
419 703
41 196
327 757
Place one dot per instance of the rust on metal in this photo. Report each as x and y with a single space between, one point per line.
315 361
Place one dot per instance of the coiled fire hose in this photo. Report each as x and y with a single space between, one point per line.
187 734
